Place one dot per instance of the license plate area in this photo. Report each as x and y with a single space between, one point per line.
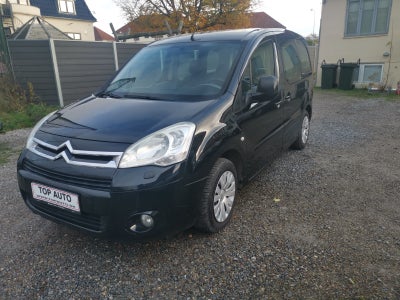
56 197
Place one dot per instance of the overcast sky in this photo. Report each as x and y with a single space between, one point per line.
296 15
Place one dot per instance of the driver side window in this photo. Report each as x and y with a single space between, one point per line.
262 63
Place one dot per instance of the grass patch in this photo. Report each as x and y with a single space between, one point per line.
20 108
5 152
24 118
362 93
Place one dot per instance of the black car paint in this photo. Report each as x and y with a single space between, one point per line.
223 129
127 121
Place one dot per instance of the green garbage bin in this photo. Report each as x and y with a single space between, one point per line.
346 75
328 79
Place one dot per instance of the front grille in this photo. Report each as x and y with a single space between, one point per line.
90 222
82 158
76 157
98 184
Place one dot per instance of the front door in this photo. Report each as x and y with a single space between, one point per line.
259 118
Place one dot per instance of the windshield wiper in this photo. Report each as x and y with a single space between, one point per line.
109 94
141 97
119 83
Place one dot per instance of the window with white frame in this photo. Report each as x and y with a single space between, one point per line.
75 36
367 73
24 2
66 6
367 17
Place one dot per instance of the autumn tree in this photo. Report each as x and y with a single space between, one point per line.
195 14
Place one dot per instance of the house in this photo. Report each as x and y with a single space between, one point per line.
365 30
155 24
137 30
100 35
72 17
263 20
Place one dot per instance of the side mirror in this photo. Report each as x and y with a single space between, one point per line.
268 86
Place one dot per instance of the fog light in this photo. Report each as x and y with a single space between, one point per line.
147 220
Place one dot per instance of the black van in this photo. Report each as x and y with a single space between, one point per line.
167 142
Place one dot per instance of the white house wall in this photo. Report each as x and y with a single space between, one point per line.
23 13
369 49
84 28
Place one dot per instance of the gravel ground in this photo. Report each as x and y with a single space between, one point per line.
320 223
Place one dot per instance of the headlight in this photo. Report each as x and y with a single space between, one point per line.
162 148
30 143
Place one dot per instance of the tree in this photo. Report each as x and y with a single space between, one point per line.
312 39
195 14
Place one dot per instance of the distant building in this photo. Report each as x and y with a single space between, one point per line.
155 23
263 20
365 30
72 17
100 35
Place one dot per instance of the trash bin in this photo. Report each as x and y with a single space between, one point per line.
346 75
328 79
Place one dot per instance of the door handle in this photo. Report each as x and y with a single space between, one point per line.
288 98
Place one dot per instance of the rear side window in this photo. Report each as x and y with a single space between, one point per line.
304 57
296 60
291 62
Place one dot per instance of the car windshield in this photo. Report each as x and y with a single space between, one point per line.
183 71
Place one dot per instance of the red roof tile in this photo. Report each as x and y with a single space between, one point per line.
262 20
100 35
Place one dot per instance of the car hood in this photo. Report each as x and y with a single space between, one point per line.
120 120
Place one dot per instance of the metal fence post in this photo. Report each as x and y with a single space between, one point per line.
115 56
56 72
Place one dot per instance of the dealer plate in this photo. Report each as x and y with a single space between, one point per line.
55 197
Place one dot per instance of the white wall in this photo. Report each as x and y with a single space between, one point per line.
85 28
369 49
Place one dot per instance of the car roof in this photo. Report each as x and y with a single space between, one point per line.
224 35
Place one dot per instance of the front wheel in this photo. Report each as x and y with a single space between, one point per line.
303 133
218 197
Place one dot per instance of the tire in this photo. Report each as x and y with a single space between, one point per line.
218 198
303 133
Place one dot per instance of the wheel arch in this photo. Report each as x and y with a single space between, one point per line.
307 104
309 110
235 157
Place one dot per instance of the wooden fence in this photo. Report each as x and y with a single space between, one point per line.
64 71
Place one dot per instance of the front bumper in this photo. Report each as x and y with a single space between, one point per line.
112 200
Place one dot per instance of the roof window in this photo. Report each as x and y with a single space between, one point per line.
66 6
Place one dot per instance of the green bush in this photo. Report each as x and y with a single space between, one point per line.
20 108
